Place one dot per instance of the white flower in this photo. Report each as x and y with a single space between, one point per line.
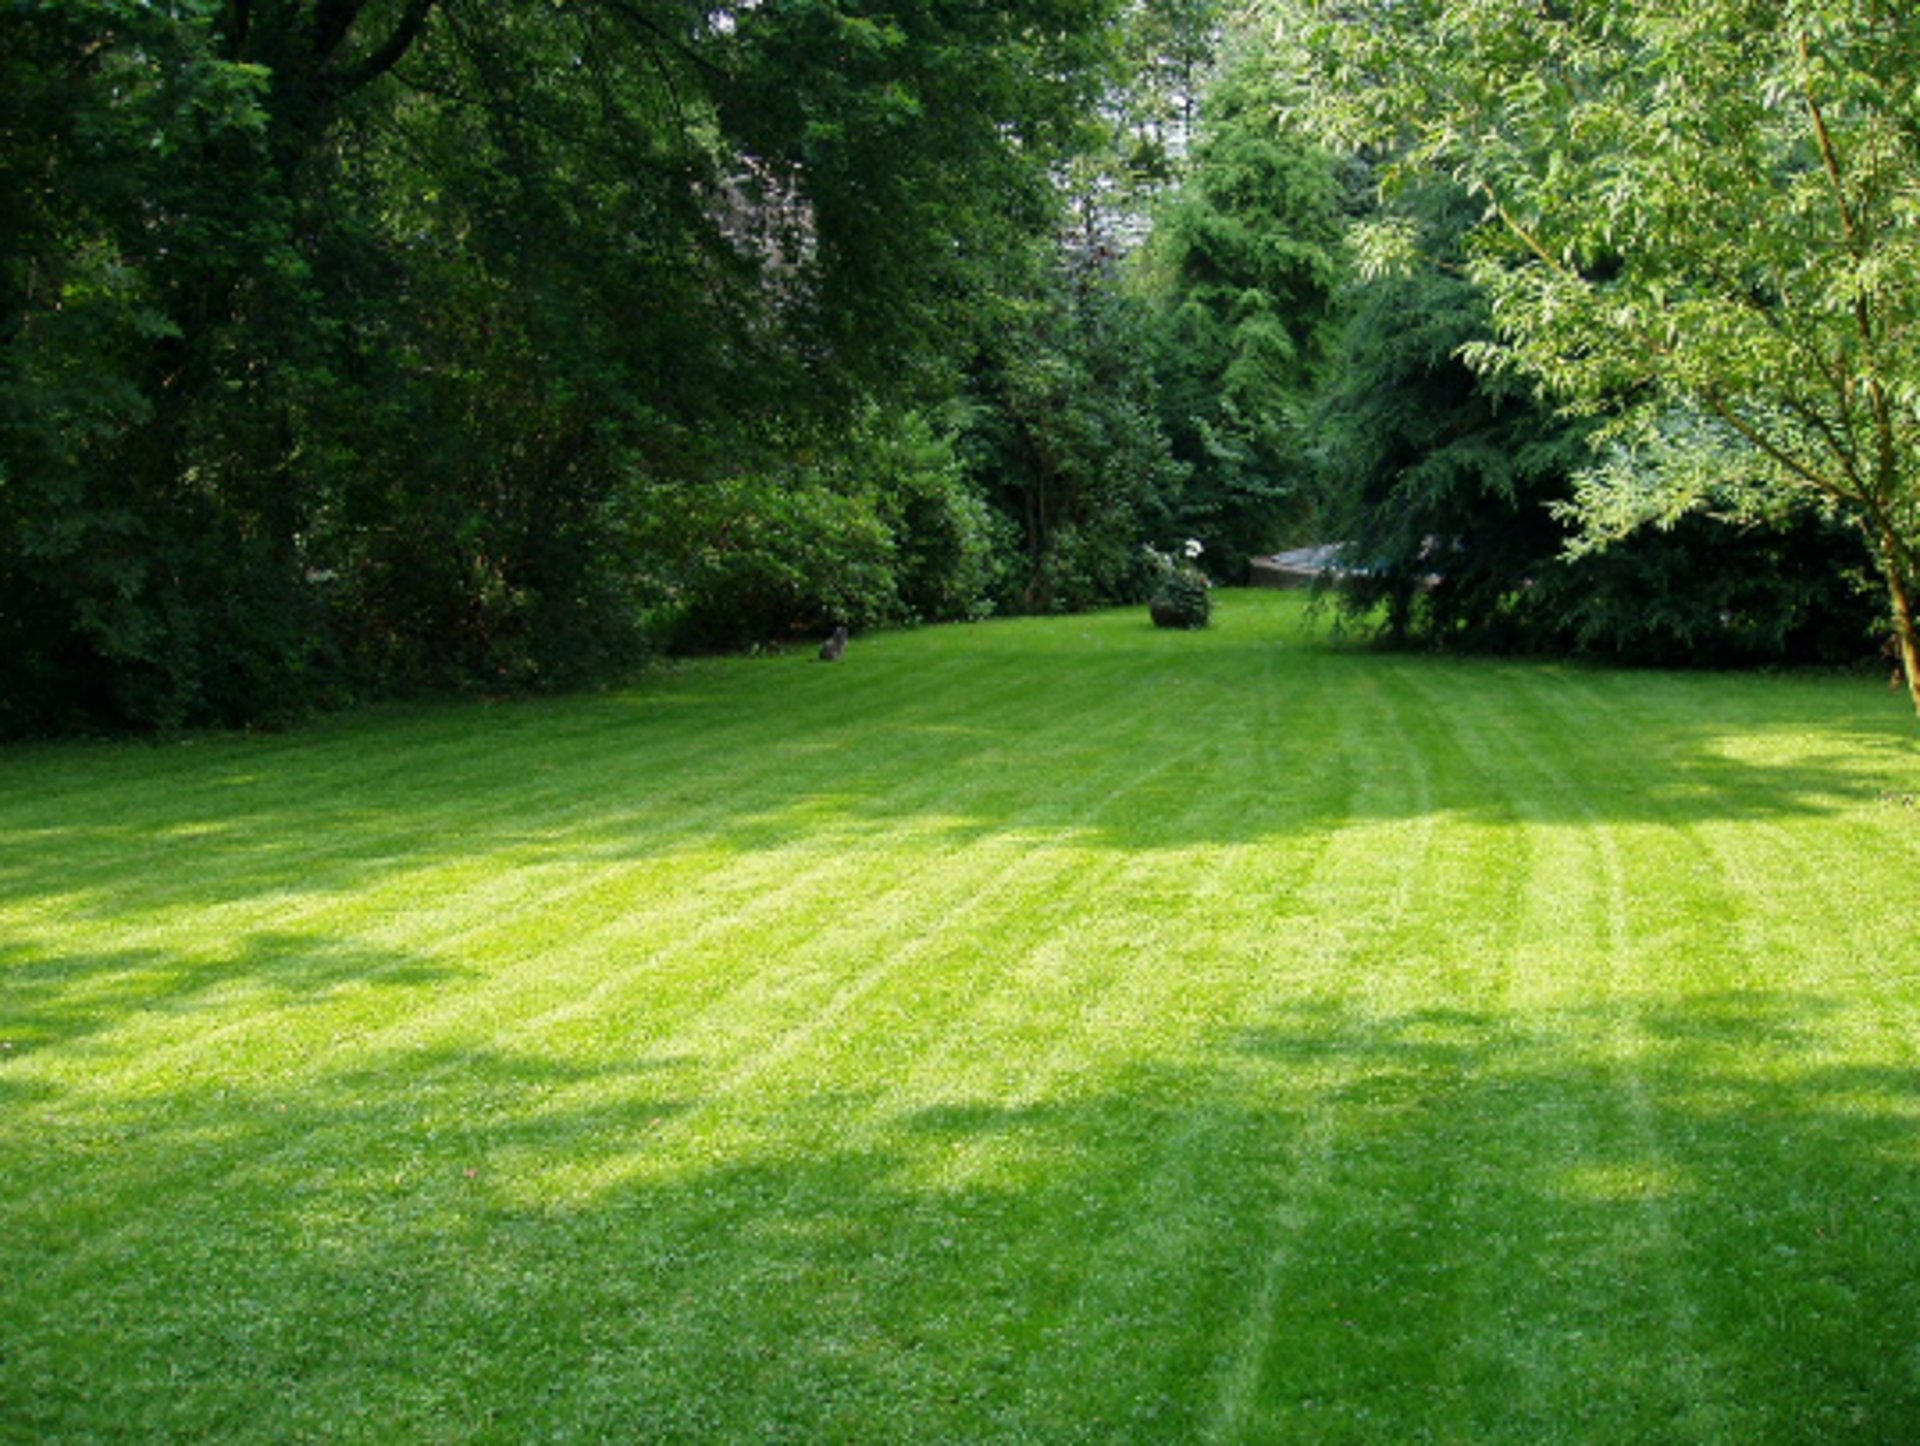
1193 548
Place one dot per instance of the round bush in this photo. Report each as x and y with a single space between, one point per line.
1183 600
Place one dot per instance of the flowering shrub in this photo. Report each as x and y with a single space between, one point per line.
1182 596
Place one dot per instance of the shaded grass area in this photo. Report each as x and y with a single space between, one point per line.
1046 1030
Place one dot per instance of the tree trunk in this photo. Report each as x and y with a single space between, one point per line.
1892 561
1903 630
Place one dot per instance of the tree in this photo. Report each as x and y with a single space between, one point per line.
143 527
1165 53
1242 271
1435 478
336 335
1699 224
1065 439
1449 488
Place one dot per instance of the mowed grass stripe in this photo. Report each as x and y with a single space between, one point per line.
467 781
1429 957
420 887
527 992
1604 969
557 963
1050 1030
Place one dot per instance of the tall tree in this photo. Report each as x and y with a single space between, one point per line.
1066 439
333 333
1243 270
1164 57
1436 480
1449 487
1699 222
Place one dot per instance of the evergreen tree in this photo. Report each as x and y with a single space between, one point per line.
1243 270
1450 488
1698 220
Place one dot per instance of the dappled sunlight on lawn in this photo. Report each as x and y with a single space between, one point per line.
1049 1030
1270 741
1364 1215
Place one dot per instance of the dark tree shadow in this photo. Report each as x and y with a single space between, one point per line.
960 743
1624 1223
48 1000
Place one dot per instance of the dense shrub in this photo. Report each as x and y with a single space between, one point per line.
877 526
1706 592
751 558
1182 597
951 551
1183 602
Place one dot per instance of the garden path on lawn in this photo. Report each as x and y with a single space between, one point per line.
1049 1030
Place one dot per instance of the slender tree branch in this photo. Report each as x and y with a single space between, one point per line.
1829 156
1856 489
1718 404
1832 375
1524 236
659 65
640 20
389 54
1883 423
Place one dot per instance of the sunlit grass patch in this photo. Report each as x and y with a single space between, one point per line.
1049 1030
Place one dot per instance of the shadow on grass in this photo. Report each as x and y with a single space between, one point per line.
1100 731
52 999
1610 1224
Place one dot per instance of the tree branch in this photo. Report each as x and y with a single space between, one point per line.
395 48
640 20
1829 156
1526 237
1832 377
1768 448
332 19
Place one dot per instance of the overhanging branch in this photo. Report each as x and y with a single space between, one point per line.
391 52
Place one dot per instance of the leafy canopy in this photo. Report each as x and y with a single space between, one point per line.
339 337
1702 221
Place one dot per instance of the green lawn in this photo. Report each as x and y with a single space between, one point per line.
1049 1030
